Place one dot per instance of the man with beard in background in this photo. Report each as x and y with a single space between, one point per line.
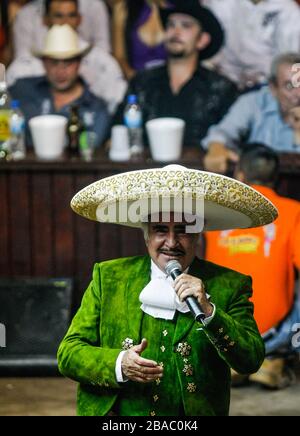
183 88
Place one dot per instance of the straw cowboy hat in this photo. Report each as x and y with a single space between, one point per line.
62 42
206 18
224 202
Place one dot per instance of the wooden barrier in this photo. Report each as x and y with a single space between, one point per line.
40 236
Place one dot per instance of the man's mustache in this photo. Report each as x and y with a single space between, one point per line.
172 252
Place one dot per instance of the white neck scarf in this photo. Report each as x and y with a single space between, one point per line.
159 298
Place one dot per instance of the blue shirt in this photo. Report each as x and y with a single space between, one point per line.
34 94
254 117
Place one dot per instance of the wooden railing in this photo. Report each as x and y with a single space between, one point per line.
40 236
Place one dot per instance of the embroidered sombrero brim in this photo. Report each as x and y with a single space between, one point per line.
224 202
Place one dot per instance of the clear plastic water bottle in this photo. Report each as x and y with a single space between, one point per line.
4 116
17 131
133 120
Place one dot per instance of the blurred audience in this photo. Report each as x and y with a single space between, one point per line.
8 12
3 38
295 123
256 31
259 116
5 51
14 7
137 34
99 69
270 255
110 4
29 27
182 88
61 87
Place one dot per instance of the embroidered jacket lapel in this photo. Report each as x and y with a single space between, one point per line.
136 282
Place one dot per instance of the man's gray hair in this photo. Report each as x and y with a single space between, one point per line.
283 59
145 229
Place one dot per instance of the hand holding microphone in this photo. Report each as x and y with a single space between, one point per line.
191 290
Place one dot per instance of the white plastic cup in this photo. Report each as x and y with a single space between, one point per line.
119 149
48 135
165 138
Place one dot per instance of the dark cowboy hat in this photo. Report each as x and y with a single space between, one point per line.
208 21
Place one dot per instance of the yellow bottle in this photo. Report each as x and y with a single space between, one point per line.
4 116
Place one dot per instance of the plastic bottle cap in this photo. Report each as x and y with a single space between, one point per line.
132 98
15 104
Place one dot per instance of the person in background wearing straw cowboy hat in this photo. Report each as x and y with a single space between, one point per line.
62 87
183 88
99 68
134 345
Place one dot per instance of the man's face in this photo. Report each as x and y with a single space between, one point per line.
287 95
63 12
169 241
62 74
184 36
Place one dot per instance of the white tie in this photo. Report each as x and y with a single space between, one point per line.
160 300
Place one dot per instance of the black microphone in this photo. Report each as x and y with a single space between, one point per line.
173 269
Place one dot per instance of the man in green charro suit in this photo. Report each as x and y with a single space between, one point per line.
134 346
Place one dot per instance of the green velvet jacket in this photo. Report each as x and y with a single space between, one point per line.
110 312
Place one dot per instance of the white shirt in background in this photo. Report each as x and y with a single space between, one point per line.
255 34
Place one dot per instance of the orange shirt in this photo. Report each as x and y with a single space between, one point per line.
269 254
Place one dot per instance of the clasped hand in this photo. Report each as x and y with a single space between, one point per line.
136 368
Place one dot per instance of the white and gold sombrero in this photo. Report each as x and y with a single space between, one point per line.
227 203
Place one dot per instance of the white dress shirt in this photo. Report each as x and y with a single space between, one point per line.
158 305
254 35
28 26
